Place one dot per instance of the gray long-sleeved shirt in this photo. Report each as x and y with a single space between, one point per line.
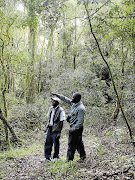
77 112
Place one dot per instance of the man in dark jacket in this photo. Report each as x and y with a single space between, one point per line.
76 120
56 116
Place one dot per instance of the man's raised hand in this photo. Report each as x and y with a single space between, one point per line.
52 93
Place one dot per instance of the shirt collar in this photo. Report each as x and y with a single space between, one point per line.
77 104
55 107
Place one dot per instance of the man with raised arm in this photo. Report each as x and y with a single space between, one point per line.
76 120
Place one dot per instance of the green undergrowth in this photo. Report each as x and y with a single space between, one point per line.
60 169
21 152
110 152
104 155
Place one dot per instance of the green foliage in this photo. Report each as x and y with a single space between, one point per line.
2 3
62 32
14 153
55 168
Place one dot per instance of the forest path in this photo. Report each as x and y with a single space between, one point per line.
106 157
31 166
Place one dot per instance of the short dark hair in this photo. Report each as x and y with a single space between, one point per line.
77 96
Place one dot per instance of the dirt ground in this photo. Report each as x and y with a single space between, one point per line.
107 158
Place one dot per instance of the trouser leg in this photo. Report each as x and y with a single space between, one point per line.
71 146
80 145
56 145
75 142
48 144
81 149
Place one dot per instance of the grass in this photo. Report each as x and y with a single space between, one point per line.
21 152
104 153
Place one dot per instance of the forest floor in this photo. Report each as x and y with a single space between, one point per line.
108 157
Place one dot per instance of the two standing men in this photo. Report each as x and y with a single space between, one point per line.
76 120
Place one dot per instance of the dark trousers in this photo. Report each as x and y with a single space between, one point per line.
51 139
75 143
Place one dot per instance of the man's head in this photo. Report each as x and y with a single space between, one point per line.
76 97
55 101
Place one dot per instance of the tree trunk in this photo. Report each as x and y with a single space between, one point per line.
5 110
15 138
74 61
116 111
30 79
4 90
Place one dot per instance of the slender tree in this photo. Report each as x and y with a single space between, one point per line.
5 40
30 78
117 95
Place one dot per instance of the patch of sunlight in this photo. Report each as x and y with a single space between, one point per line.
20 7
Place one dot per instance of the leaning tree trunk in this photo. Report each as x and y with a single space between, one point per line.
15 138
124 57
115 90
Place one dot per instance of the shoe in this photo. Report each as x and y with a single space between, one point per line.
47 159
81 160
55 159
69 160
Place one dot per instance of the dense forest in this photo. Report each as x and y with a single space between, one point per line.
67 46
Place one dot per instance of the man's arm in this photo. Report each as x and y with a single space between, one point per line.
61 126
63 98
46 127
48 114
62 118
80 120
